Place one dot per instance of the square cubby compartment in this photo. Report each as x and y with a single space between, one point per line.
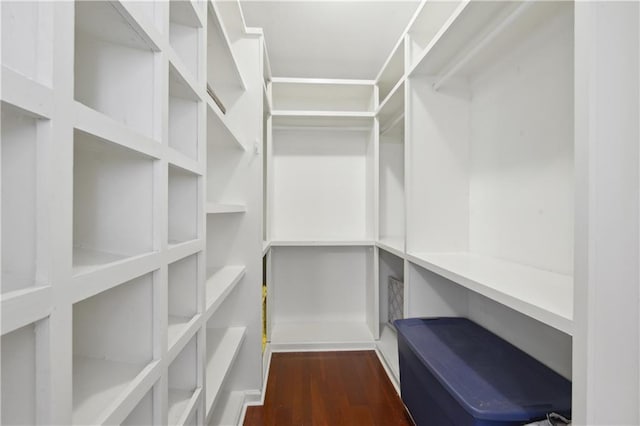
27 38
23 139
24 375
183 296
183 205
112 344
183 115
184 31
183 381
144 413
113 193
115 66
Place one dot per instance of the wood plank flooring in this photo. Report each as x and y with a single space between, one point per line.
328 388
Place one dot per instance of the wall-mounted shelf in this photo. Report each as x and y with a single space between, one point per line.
219 135
337 96
115 66
106 361
392 71
110 183
392 107
220 283
214 208
25 94
322 119
143 413
542 295
223 345
392 245
320 243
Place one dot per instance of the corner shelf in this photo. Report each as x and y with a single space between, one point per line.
183 383
543 295
220 283
182 296
106 360
223 345
215 208
115 66
25 381
184 33
183 115
183 205
24 137
112 203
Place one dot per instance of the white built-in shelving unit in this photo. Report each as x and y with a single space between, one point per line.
120 174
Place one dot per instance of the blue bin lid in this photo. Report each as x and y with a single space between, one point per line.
490 378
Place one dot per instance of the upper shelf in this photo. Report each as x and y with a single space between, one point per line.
294 94
392 71
323 119
477 33
223 72
392 109
543 295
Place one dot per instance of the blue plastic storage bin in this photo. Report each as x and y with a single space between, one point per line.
454 372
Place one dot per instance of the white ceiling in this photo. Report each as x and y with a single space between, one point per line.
329 38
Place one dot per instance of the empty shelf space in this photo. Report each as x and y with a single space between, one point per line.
184 33
220 282
182 296
183 382
223 345
112 202
320 95
27 39
23 139
178 404
540 294
183 115
112 343
115 66
97 383
215 208
321 334
183 205
320 243
176 327
219 135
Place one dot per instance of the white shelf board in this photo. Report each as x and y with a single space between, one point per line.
323 119
178 404
266 100
392 107
387 345
22 307
543 295
216 208
177 251
220 282
182 83
97 384
231 412
223 345
176 327
180 160
218 132
327 334
88 260
185 12
215 14
26 94
393 245
477 33
266 245
318 243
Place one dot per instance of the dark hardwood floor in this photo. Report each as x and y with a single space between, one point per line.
328 388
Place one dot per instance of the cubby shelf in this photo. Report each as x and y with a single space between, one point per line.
392 72
183 383
215 208
220 283
392 107
392 245
183 114
114 65
143 413
21 307
184 30
323 119
543 295
181 403
183 205
223 345
26 94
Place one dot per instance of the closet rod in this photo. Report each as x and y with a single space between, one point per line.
488 37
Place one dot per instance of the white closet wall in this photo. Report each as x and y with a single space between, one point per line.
126 279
